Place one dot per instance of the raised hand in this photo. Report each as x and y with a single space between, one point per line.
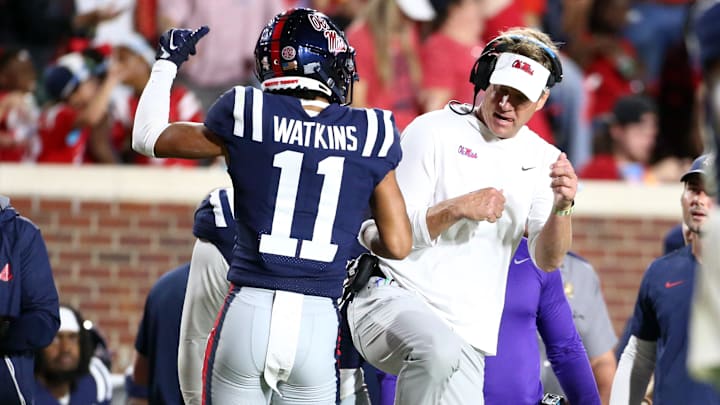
564 182
177 44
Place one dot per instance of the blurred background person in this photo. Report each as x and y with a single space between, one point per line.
659 327
80 103
135 57
46 28
387 41
456 32
226 58
155 371
66 372
18 108
581 287
535 306
625 144
654 27
607 57
28 303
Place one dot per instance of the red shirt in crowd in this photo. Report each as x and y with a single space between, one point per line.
612 83
435 53
62 141
601 167
400 96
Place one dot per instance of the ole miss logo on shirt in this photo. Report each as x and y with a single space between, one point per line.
524 66
467 152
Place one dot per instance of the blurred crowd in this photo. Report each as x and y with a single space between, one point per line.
72 71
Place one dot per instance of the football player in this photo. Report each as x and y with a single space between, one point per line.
305 168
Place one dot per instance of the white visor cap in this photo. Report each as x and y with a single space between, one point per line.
521 73
68 322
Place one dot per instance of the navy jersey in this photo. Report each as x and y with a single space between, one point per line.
302 185
662 314
159 335
214 221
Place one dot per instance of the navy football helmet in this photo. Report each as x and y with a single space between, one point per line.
302 49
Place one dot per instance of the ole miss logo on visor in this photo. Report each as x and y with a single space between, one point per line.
524 66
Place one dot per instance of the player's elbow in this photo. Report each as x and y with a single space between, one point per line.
398 246
144 138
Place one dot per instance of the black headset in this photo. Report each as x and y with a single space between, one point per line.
485 64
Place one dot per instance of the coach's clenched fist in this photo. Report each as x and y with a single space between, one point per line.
486 204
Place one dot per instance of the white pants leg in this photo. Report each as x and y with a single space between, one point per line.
206 289
396 332
235 360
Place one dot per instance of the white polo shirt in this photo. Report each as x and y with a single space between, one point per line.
462 274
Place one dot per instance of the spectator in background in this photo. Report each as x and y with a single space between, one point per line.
568 104
581 286
156 366
28 303
45 27
135 57
659 326
653 27
108 30
624 148
535 305
18 108
450 50
66 372
81 102
387 42
226 57
608 59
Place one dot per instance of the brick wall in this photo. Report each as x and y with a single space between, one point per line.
109 240
106 255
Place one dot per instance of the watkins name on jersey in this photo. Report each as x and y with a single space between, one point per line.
316 135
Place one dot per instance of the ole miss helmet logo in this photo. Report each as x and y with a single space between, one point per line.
524 66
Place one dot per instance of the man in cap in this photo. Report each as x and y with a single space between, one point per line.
659 328
66 371
473 178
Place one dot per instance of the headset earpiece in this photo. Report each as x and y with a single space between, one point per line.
484 65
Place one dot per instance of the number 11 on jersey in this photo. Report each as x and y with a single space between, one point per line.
279 242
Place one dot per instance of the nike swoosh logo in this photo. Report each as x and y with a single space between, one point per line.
527 168
172 45
521 261
669 284
165 54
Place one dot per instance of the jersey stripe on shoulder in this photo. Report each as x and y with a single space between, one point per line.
217 208
389 134
239 111
257 104
372 129
221 200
